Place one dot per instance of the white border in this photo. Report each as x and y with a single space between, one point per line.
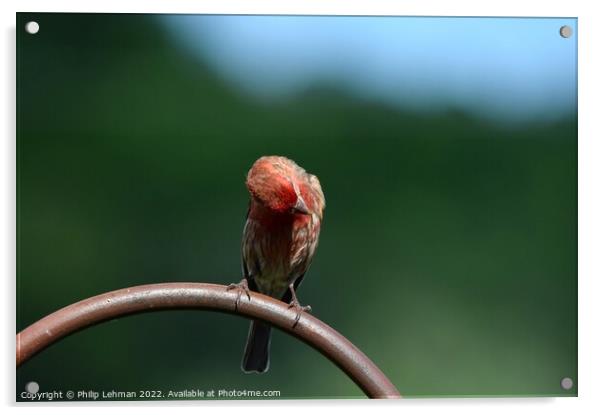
590 201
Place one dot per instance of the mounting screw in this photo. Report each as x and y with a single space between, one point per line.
32 28
566 31
32 387
566 383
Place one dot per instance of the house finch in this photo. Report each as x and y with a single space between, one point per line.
279 241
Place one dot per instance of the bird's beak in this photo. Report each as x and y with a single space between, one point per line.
301 207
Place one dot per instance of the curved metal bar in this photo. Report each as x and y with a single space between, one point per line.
144 298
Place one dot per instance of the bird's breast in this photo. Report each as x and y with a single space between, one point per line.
276 252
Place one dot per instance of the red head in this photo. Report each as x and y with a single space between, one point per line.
280 185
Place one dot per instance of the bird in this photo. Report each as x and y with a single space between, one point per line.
279 241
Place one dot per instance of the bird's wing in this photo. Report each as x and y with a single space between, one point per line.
248 269
287 297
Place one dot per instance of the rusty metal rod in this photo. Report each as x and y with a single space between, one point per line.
170 296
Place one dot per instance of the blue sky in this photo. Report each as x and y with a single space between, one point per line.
504 68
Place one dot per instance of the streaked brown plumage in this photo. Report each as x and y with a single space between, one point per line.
279 240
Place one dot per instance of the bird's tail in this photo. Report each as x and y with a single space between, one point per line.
257 350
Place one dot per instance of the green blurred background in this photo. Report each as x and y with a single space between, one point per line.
448 251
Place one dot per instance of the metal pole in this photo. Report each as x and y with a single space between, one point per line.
169 296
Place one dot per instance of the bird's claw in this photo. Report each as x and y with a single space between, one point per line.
300 309
242 286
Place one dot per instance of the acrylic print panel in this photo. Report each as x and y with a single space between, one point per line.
446 149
